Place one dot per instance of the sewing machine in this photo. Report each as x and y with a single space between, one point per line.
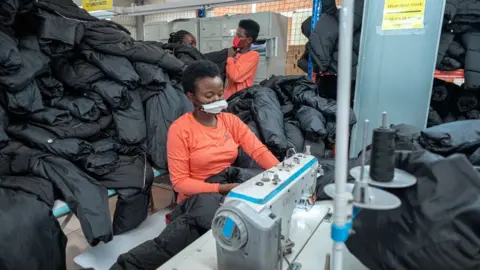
265 224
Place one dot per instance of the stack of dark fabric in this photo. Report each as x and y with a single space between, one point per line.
450 102
459 43
460 40
83 108
436 226
287 112
323 41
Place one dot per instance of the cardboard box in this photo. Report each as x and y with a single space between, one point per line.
294 53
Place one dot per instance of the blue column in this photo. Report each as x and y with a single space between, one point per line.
201 13
316 13
396 68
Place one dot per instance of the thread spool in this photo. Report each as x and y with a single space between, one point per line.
382 163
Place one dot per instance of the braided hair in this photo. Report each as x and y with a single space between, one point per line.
177 37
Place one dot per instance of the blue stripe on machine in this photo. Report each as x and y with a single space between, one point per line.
274 192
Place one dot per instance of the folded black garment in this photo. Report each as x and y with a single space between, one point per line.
3 126
57 35
85 196
130 122
69 148
98 102
113 144
131 172
78 129
50 116
117 68
110 39
65 8
101 163
433 118
10 58
34 63
151 76
27 101
77 73
454 137
312 122
114 94
49 86
82 108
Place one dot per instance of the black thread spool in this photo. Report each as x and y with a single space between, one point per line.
382 160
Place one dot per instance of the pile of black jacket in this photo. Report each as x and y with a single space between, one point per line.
323 41
450 102
459 43
83 108
460 40
287 112
436 226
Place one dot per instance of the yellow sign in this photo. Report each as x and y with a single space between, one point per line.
95 5
403 14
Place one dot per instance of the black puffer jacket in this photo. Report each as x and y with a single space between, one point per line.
460 40
458 48
435 228
287 112
110 39
183 52
419 234
323 41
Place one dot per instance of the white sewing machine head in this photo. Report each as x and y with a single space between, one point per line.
252 227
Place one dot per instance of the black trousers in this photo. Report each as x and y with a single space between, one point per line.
189 220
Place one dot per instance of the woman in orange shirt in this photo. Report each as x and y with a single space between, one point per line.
200 144
205 142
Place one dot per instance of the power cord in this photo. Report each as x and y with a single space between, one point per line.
288 262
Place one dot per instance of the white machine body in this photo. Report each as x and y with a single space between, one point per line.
252 227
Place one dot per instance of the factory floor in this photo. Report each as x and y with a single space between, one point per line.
76 240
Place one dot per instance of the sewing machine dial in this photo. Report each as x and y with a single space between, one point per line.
229 231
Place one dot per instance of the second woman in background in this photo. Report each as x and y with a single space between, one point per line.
183 37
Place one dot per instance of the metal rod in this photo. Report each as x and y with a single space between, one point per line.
343 125
172 6
364 149
384 120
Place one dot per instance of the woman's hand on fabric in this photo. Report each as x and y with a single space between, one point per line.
224 189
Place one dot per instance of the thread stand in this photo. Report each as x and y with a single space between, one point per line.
383 151
401 179
377 200
365 196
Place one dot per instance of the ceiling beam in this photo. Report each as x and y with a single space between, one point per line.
171 6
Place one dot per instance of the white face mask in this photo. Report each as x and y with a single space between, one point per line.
215 107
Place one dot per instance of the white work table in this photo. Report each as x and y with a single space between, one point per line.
310 232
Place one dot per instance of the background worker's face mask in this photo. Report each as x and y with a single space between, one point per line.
240 43
215 107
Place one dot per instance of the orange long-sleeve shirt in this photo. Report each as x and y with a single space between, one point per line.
241 72
196 152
